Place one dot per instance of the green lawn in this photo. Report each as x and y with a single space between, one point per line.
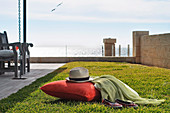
149 82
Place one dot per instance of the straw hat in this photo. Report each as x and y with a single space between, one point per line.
79 74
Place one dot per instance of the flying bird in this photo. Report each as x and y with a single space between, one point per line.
59 4
56 7
53 10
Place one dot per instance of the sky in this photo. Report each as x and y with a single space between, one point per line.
85 22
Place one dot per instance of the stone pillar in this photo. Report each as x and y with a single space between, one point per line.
128 51
136 44
109 45
119 50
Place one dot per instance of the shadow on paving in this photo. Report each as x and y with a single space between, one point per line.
23 93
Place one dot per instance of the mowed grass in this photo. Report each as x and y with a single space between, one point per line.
149 82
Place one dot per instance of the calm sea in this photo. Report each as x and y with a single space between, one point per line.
72 51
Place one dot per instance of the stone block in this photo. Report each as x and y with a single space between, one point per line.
130 59
155 49
167 63
146 60
138 52
159 62
134 51
156 41
147 41
109 47
145 51
162 52
140 33
142 40
168 55
136 41
109 41
151 51
165 40
138 60
137 35
108 53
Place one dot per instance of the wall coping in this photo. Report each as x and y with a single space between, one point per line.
164 34
71 59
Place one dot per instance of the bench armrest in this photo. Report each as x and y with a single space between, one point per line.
5 45
30 44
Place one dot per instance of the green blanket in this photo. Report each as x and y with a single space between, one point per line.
112 88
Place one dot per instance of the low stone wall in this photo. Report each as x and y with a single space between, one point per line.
155 50
71 59
147 49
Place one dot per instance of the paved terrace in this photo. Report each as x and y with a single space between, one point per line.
38 70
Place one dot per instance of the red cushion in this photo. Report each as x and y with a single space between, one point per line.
72 91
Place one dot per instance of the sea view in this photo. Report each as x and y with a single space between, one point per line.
86 56
72 51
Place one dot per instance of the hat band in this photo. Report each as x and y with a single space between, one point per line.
79 79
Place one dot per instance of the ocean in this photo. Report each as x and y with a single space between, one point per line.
72 51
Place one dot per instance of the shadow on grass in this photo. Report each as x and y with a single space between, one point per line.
23 93
70 102
73 103
58 101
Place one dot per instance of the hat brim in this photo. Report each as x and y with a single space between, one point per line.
68 79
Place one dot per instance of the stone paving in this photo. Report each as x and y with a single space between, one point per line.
9 85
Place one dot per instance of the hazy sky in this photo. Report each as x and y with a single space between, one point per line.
85 22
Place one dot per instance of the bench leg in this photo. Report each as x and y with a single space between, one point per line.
21 68
2 67
24 64
16 68
28 65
